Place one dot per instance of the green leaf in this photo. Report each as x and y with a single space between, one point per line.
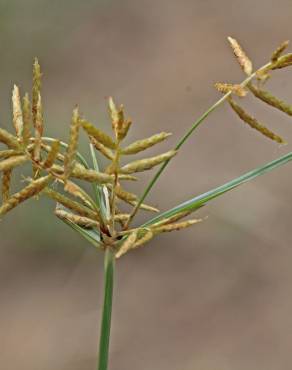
200 200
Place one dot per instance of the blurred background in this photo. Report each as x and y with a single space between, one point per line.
214 297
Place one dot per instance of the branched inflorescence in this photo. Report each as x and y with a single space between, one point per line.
56 166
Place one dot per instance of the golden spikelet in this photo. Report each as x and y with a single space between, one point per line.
34 188
39 128
17 112
144 239
148 163
140 145
119 124
122 217
78 192
128 244
234 88
282 62
9 140
72 146
9 153
172 219
26 110
241 56
98 134
125 195
52 154
175 227
143 206
102 148
280 49
76 219
270 99
36 88
79 172
12 162
70 204
252 122
6 180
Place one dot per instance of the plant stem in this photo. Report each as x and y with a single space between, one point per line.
109 265
184 139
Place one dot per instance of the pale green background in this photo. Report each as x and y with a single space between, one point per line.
215 297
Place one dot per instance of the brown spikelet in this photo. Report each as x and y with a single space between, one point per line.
36 88
71 204
175 227
6 180
241 56
76 219
34 188
17 112
148 163
252 122
98 134
47 148
128 244
26 109
72 146
143 206
12 162
39 128
9 140
280 49
53 154
234 88
140 145
270 99
102 149
125 195
172 219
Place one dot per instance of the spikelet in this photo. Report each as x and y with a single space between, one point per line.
39 127
8 139
144 239
282 62
280 49
148 163
78 192
143 206
34 188
98 134
72 146
125 195
234 88
241 57
252 122
26 119
121 217
36 88
78 220
17 112
12 162
175 227
128 244
9 153
173 218
119 124
102 149
82 173
6 180
140 145
270 99
47 148
70 204
52 154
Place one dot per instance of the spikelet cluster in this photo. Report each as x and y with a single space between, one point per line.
277 61
56 166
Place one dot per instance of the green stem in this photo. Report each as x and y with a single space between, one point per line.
184 139
109 265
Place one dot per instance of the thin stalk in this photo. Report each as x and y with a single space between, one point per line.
109 266
184 139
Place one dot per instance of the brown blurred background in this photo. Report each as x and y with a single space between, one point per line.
215 297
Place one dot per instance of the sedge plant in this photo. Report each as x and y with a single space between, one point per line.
58 169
